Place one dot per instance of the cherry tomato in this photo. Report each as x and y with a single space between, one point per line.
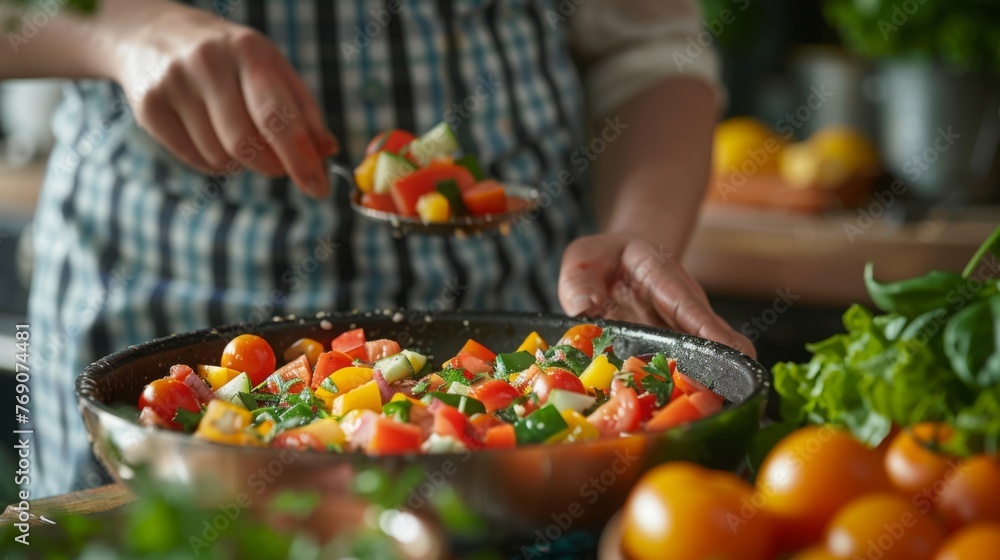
382 348
812 473
972 494
620 414
911 466
304 346
298 441
167 395
884 526
971 542
582 337
389 141
476 349
250 354
556 378
351 343
682 510
494 394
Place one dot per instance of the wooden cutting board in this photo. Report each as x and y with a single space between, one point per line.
83 502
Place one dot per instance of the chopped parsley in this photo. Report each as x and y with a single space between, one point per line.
329 386
453 375
605 341
187 419
421 387
659 388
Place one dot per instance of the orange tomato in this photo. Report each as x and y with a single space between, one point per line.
581 337
884 526
811 474
251 354
307 346
476 349
974 493
684 511
911 465
971 542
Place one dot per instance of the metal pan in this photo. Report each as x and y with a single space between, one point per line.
516 492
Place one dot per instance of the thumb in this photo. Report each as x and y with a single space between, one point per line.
588 265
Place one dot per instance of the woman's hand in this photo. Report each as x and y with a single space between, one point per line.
220 96
627 278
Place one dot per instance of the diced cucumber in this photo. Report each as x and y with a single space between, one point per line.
466 405
395 368
439 141
458 389
230 392
417 361
568 400
389 168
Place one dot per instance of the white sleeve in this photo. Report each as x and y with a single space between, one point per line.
628 46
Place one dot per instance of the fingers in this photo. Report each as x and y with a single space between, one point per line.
167 128
587 266
326 143
678 300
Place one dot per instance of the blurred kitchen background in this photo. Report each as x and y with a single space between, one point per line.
856 130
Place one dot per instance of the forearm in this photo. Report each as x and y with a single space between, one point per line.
650 181
72 45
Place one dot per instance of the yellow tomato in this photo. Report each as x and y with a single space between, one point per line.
971 542
884 526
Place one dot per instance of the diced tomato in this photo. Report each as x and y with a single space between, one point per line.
689 386
166 396
476 349
494 394
297 368
298 441
679 411
647 406
448 421
351 343
389 141
469 363
180 372
328 363
619 414
582 337
390 438
486 197
406 191
500 437
556 378
380 202
375 350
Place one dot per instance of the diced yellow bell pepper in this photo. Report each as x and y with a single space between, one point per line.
224 422
216 376
598 374
326 430
364 174
344 379
402 397
433 207
578 429
365 397
513 377
533 343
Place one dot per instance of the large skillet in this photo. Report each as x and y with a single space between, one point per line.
516 491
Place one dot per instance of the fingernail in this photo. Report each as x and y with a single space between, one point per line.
581 304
